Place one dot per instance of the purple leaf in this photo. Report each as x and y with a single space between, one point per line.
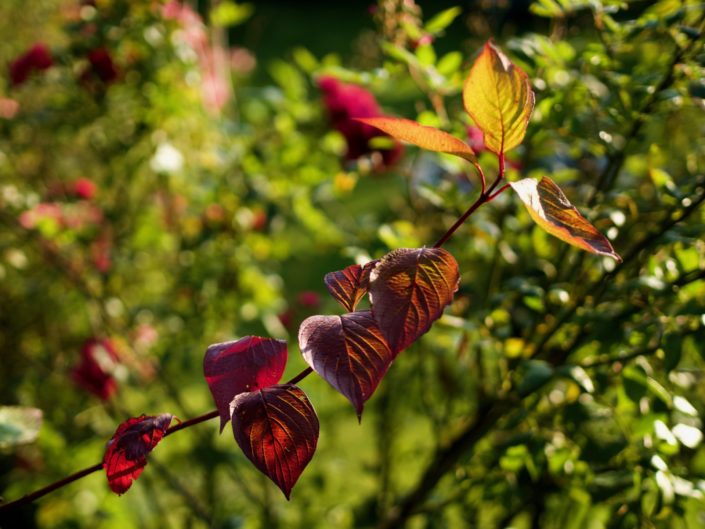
409 289
348 286
248 364
348 351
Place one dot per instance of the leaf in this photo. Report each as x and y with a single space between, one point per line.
19 425
348 286
409 289
348 351
248 364
126 453
536 374
551 210
277 429
498 97
442 20
429 138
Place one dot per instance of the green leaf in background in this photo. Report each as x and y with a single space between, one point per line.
19 425
228 13
535 374
442 20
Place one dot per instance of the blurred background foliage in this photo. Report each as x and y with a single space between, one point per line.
172 176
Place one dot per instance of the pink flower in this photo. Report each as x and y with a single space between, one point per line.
44 211
476 139
8 108
94 373
346 101
37 58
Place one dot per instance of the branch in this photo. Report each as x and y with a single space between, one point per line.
444 460
29 498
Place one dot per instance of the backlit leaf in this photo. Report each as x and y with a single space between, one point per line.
348 351
499 99
19 425
277 429
429 138
248 364
126 453
409 289
551 210
348 286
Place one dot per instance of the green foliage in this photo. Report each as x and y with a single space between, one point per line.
560 389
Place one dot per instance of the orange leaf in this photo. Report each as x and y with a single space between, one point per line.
499 99
428 138
551 210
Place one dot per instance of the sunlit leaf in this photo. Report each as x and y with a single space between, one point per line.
126 453
442 20
409 289
248 364
349 286
348 351
428 138
19 425
499 99
277 429
551 210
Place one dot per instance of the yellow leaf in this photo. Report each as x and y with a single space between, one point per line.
428 138
499 99
551 210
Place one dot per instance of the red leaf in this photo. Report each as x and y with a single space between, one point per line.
409 289
126 453
348 351
349 286
277 429
248 364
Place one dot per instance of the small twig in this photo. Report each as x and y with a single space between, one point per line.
306 372
29 498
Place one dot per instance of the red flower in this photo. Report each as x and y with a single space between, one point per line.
37 58
346 101
102 65
95 371
309 299
83 188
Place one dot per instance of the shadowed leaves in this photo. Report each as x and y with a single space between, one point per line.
126 453
409 289
551 210
349 286
429 138
277 429
248 364
499 99
348 351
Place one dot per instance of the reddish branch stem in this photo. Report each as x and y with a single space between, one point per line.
306 372
486 195
29 498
